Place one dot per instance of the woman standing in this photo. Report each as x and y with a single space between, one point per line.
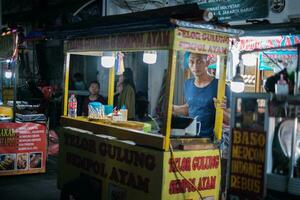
126 91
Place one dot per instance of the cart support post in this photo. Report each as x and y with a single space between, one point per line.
220 96
111 86
169 97
66 83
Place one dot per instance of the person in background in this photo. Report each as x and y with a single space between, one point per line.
78 82
94 88
126 91
200 96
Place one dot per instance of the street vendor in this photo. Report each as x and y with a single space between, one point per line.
94 96
200 96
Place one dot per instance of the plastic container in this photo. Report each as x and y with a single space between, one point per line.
124 113
108 109
72 106
281 88
95 110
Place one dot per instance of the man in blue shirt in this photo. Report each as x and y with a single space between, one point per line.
200 94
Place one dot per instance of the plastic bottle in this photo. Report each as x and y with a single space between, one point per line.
281 88
123 112
72 106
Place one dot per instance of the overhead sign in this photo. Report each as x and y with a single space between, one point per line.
268 59
247 165
252 43
204 42
234 10
128 41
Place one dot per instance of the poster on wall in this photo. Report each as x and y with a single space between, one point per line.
233 10
247 165
22 148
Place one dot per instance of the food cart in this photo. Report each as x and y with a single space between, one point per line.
265 128
23 145
118 160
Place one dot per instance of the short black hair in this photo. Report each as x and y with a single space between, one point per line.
94 82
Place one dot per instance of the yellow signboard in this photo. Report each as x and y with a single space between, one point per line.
123 171
199 173
199 41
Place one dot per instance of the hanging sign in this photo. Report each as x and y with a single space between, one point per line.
233 10
250 43
247 165
204 42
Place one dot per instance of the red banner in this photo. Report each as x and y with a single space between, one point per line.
22 148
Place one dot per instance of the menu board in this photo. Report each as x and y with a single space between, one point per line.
247 164
233 10
22 148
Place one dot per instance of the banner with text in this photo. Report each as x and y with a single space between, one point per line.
127 41
233 10
201 173
22 148
247 165
201 41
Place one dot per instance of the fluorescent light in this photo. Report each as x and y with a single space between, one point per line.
108 59
8 74
149 57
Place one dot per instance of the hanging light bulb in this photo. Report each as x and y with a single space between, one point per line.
108 59
237 84
149 57
8 74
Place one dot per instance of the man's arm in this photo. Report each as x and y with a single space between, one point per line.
181 110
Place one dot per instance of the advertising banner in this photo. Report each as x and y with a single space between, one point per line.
201 41
247 165
130 41
120 170
200 173
22 148
233 10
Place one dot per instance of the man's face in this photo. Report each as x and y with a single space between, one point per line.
198 64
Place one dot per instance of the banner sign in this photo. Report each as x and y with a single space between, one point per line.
118 170
286 57
250 43
201 41
247 165
129 41
201 168
234 10
22 148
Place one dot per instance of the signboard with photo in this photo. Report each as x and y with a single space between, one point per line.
22 148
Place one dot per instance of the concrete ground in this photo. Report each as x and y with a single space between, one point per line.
31 186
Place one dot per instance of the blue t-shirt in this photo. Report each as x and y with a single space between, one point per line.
201 105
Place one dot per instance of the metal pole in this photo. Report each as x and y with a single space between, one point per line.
14 72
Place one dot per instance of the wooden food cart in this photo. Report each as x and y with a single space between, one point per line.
124 163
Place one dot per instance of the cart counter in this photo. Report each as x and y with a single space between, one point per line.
121 168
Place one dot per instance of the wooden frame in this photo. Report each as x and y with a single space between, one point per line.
173 40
